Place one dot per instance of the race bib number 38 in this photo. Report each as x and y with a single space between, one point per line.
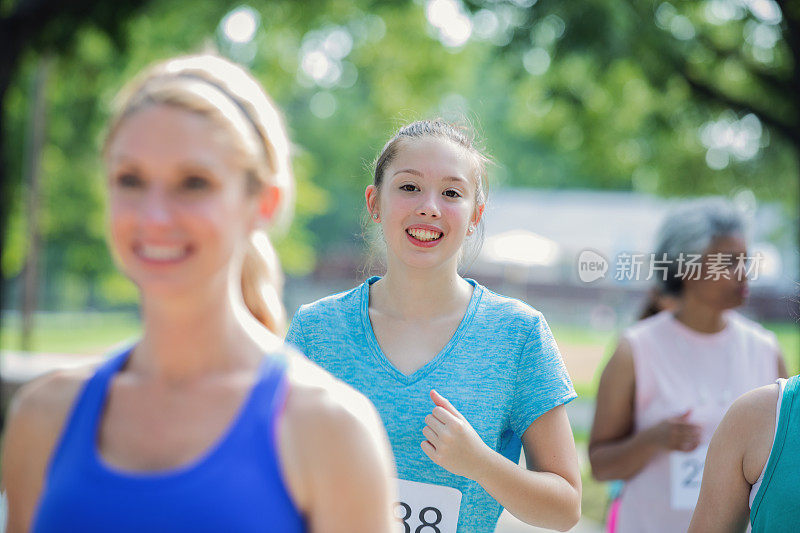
686 474
426 508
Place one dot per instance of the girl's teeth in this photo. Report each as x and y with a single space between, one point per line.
424 234
162 253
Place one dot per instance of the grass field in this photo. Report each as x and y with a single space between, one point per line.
95 332
82 333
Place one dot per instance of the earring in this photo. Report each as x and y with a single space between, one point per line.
471 229
375 216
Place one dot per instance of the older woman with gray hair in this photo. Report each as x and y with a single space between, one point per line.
674 374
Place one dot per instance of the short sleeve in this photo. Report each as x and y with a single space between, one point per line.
542 381
295 334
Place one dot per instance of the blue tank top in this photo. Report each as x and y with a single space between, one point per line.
235 486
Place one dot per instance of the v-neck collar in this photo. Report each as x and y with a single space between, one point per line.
430 366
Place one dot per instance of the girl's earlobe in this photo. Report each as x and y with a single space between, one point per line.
371 197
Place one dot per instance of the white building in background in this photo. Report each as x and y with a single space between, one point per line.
536 236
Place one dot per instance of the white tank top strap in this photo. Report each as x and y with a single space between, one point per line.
757 485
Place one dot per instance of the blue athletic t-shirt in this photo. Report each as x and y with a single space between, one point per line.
501 370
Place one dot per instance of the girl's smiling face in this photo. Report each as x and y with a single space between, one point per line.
427 202
179 212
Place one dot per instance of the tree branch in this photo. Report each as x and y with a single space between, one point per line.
788 126
713 94
756 70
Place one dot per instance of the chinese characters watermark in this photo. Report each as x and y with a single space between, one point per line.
637 266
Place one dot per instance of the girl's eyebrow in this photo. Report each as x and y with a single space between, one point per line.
418 173
408 171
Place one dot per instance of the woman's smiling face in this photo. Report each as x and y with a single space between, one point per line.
179 212
426 203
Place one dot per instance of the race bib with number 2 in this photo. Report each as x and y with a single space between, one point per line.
685 476
426 508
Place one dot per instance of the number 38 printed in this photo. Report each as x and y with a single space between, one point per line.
429 518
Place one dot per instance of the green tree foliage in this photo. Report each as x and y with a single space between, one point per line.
631 95
681 97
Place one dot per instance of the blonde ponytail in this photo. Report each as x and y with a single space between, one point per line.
262 283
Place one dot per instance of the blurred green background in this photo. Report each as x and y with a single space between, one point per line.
682 98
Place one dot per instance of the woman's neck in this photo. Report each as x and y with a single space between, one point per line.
187 337
700 317
420 294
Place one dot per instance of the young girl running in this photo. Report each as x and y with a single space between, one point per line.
209 422
462 377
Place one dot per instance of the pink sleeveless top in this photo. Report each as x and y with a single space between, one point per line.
677 369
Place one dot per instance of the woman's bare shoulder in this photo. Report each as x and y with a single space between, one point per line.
750 425
39 410
47 400
321 402
332 440
754 409
36 419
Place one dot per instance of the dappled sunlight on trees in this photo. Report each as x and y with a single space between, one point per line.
672 98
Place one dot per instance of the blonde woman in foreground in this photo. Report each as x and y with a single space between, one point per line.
209 422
